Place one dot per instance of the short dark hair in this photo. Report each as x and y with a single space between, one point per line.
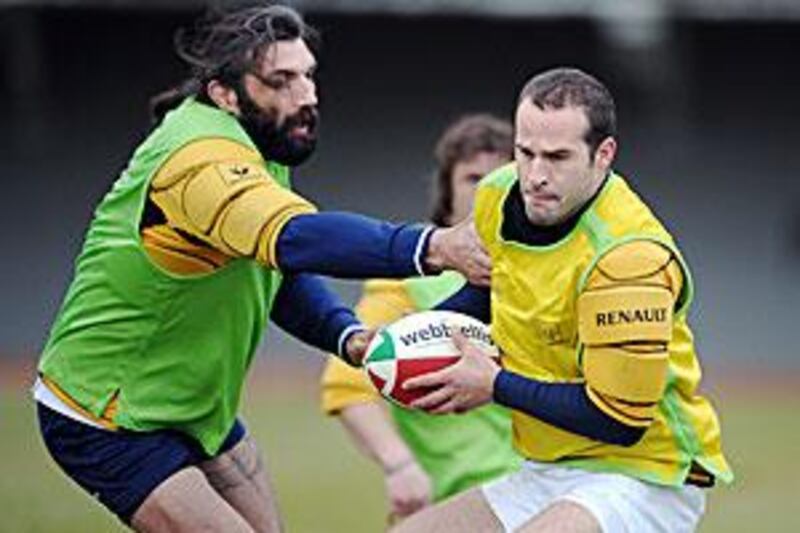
561 87
462 140
224 44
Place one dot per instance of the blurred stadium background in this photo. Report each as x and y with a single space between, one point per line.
707 92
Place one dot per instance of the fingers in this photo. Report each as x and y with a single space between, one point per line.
459 339
449 407
466 253
357 345
433 379
406 505
464 345
409 490
478 275
406 508
433 399
483 262
480 266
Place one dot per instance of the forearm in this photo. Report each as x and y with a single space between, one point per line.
307 309
564 405
373 432
345 245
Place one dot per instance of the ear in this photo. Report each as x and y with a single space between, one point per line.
224 97
605 153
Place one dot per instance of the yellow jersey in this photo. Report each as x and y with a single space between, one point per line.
534 298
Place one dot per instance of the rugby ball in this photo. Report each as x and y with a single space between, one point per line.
418 344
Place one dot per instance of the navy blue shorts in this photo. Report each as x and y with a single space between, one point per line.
121 468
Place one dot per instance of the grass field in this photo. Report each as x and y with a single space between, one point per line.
325 487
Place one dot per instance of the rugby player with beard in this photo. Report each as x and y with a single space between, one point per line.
198 243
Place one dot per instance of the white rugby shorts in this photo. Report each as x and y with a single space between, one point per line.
620 503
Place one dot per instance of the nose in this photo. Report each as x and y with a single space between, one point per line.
305 92
535 177
540 171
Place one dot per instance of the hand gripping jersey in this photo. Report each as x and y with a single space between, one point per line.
604 306
148 338
457 451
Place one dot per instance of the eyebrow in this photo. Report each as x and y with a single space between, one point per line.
283 72
545 153
557 151
522 147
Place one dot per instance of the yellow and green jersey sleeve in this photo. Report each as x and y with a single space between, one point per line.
219 192
625 313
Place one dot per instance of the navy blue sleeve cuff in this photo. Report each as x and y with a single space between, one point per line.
307 309
346 245
563 405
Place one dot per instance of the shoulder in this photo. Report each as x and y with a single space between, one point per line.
638 262
233 160
624 212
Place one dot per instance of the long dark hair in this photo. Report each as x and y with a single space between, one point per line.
462 140
223 44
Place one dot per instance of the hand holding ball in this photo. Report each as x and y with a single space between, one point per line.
419 344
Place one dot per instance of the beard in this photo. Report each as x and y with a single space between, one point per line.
276 141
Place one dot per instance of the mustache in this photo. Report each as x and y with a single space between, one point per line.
307 116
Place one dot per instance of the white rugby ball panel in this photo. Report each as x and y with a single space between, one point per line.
418 344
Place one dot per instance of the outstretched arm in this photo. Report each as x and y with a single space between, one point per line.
346 245
220 192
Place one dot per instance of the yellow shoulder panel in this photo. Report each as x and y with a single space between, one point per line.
220 191
642 262
619 314
625 315
633 373
199 153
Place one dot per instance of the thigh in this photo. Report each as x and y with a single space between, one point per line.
623 504
517 497
562 517
240 477
119 468
186 502
468 511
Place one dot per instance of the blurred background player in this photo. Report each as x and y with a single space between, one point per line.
426 458
589 298
196 245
